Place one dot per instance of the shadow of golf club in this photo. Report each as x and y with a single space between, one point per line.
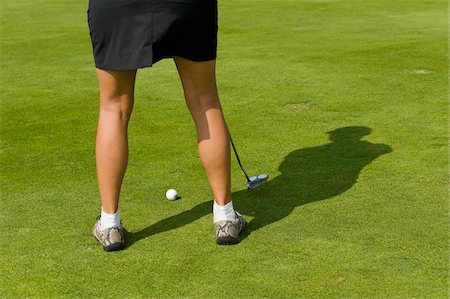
307 175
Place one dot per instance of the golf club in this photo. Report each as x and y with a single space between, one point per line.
253 181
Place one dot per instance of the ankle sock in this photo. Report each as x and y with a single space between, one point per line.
225 212
109 220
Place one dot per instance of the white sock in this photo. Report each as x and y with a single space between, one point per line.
225 212
109 220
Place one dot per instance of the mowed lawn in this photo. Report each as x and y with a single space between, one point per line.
343 103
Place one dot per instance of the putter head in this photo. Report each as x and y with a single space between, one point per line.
256 181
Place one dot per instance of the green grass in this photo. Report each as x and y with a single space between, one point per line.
343 218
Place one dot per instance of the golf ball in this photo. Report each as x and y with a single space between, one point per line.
172 194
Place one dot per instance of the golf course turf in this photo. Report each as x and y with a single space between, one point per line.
343 103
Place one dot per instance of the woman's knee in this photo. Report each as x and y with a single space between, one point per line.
119 107
116 93
202 102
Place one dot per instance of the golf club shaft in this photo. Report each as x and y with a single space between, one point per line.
237 157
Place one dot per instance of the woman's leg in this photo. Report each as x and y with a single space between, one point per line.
200 91
116 104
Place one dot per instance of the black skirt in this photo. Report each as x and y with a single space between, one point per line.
132 34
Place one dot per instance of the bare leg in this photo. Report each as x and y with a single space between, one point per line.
200 91
116 104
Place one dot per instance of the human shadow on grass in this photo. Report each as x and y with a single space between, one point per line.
307 175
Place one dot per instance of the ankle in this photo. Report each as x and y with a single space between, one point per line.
223 212
109 220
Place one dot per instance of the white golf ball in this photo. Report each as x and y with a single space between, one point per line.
172 194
